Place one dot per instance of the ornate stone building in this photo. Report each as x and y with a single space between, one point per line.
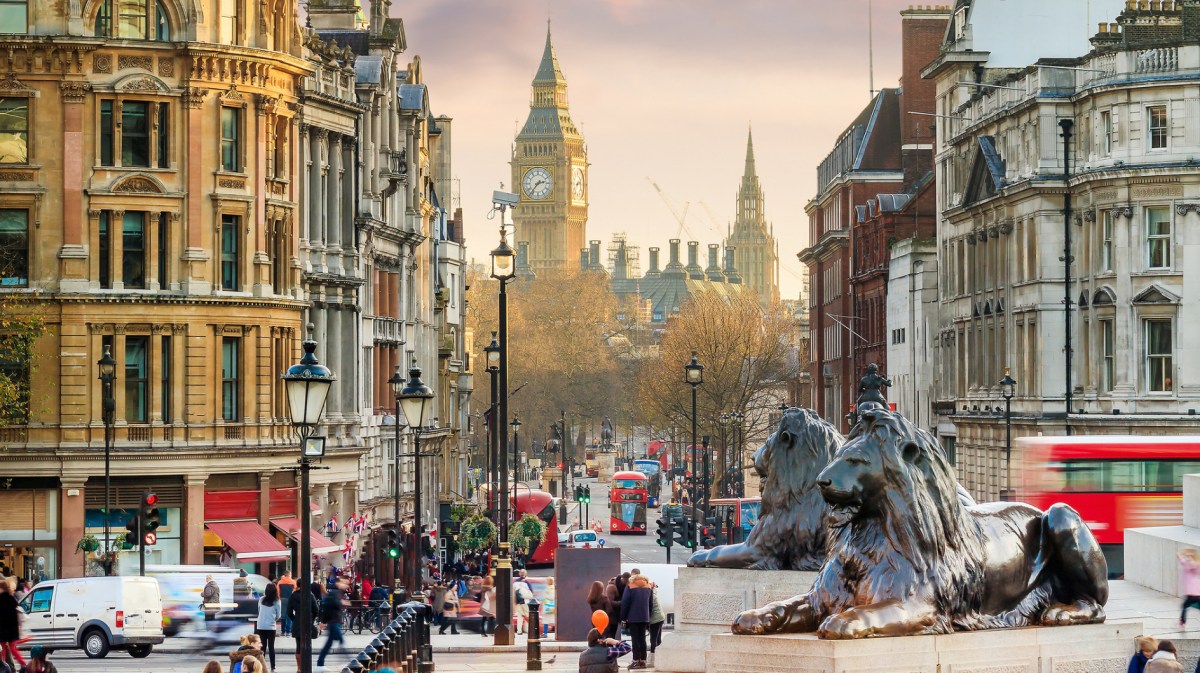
1105 349
149 210
751 236
550 173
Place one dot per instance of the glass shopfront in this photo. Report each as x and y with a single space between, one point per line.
29 533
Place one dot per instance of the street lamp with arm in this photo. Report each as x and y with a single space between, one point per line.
1008 386
415 399
108 376
503 270
693 375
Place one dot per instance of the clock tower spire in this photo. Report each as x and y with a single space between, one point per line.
549 172
755 248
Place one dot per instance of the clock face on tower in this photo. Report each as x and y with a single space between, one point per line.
537 183
577 183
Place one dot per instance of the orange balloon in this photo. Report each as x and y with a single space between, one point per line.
600 620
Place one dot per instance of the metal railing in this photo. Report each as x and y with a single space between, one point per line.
403 646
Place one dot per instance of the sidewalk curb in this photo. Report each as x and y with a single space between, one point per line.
499 649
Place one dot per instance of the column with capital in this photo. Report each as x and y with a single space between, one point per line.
192 538
71 524
73 256
195 278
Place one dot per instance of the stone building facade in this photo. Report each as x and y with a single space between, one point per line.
1111 340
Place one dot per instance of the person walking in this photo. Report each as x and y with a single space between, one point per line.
597 599
614 590
635 612
657 618
295 601
269 613
1164 659
1189 582
487 606
1146 646
449 612
286 585
602 654
522 594
332 610
210 599
10 624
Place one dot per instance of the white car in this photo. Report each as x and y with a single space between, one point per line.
580 539
95 614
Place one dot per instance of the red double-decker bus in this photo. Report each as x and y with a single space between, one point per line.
1114 482
540 504
627 500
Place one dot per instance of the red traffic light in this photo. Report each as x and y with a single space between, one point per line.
151 498
560 466
150 538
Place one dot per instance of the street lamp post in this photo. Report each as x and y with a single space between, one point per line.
413 398
108 376
1008 386
739 439
307 385
492 350
562 467
503 270
396 382
693 375
518 469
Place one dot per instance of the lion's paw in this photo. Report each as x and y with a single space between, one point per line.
1079 612
758 622
844 626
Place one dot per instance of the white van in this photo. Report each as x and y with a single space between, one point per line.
95 614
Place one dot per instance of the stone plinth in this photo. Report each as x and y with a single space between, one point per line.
1093 648
1150 553
707 600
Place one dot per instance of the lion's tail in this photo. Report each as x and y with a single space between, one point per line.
964 498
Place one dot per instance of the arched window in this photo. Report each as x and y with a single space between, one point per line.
134 20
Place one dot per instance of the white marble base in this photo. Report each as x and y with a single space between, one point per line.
1093 648
707 600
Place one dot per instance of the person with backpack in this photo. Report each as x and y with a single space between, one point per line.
522 593
286 585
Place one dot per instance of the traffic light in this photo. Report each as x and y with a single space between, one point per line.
578 494
132 530
587 495
679 528
394 547
664 532
708 534
150 517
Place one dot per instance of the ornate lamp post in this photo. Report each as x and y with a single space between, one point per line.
503 270
562 467
492 350
1008 386
414 399
397 384
108 376
307 385
693 375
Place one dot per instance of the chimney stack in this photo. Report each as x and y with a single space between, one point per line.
674 264
654 271
714 264
693 268
730 270
595 253
583 259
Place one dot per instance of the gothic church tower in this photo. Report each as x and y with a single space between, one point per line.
549 172
756 251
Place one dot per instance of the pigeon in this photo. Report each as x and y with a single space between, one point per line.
551 659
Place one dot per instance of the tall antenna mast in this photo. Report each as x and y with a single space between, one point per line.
871 45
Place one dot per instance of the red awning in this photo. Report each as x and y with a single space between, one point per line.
249 540
290 526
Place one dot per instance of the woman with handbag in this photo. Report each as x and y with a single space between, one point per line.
449 613
487 606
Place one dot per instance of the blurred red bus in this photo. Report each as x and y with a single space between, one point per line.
627 500
524 501
1114 482
735 517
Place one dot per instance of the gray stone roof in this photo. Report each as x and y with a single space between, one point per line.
368 70
412 96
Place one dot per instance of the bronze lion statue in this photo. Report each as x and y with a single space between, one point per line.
790 533
909 555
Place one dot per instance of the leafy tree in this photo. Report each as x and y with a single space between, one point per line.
21 325
744 350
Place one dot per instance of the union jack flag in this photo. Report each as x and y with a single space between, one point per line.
331 526
349 548
360 524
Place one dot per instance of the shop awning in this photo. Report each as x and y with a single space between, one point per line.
249 540
290 526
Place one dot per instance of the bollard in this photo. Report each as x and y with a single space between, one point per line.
354 667
363 660
533 650
385 641
426 639
380 653
391 639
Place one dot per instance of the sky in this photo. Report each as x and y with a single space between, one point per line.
661 89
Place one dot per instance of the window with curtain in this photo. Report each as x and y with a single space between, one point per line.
1108 350
14 130
163 254
229 251
1106 241
1106 129
14 16
1158 237
1159 350
227 21
133 250
1156 122
14 247
231 121
106 133
137 349
165 369
164 135
229 378
104 233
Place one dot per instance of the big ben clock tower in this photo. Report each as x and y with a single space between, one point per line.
550 173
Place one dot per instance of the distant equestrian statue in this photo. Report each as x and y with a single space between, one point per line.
553 444
606 432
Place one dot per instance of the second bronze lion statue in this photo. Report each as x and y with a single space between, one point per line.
908 556
790 532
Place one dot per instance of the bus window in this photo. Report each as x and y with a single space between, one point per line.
750 512
628 483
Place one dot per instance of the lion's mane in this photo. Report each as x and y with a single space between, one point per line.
790 533
922 531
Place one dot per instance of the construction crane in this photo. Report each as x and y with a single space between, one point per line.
680 215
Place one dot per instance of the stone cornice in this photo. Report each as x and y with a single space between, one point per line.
114 297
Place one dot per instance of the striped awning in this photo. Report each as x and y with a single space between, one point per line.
249 540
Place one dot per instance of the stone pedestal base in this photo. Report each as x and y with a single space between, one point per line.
707 600
1093 648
